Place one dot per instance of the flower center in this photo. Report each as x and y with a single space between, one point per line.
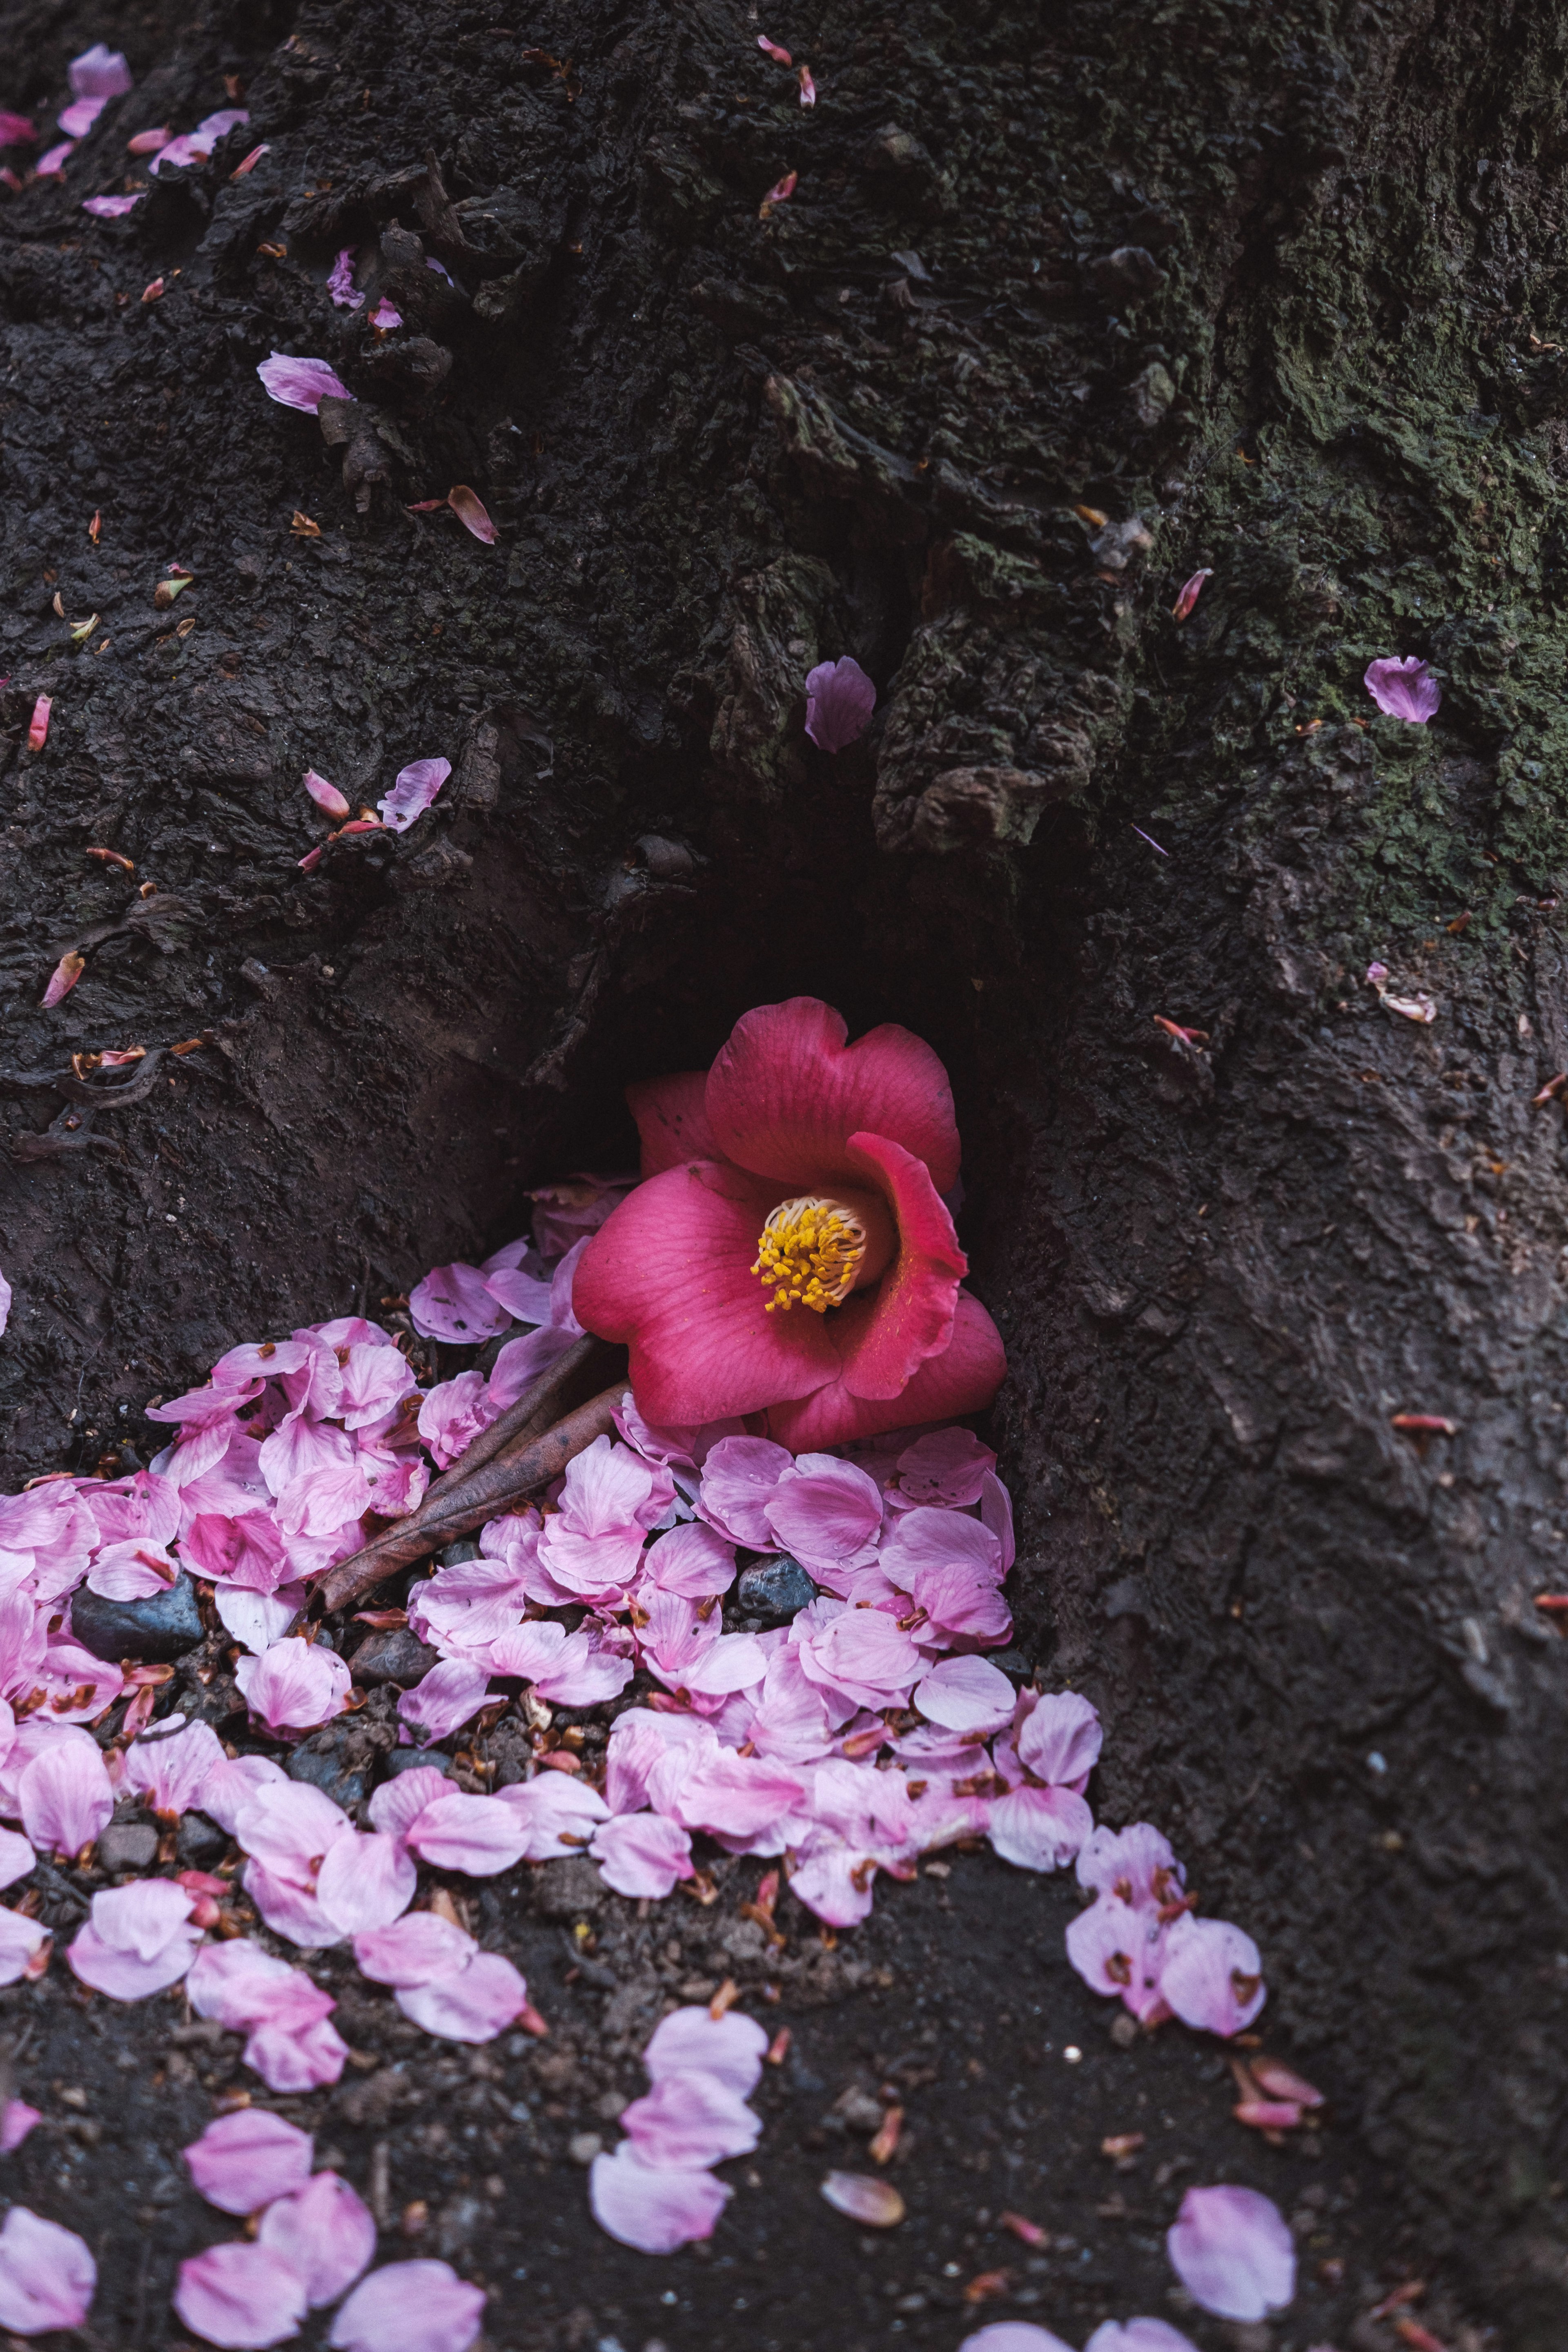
813 1251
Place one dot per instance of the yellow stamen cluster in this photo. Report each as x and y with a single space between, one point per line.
809 1253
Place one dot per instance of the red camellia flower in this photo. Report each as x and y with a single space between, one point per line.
789 1253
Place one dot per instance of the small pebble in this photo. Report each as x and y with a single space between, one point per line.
584 2146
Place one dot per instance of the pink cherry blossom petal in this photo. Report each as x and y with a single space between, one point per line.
642 1855
1017 2336
475 2004
453 1303
1404 687
780 56
691 2118
295 1685
365 1882
450 1694
52 163
242 2297
410 2307
1212 1975
77 120
965 1694
481 1835
17 1857
417 1950
651 2206
137 1941
1136 2335
324 2231
414 789
1233 2253
692 2041
38 734
112 208
326 796
22 1943
1038 1829
15 2123
244 2161
47 2276
99 72
341 287
300 382
65 1798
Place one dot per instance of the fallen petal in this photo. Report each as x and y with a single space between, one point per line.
38 725
300 383
63 978
326 796
410 2307
1191 591
1233 2253
656 2208
242 2297
469 508
112 208
243 2161
47 2276
250 161
413 791
807 87
1404 688
877 2204
781 190
780 56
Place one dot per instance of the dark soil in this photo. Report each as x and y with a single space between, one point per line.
1277 288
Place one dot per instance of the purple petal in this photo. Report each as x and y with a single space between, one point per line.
99 72
839 701
340 281
1404 688
54 158
413 791
112 208
78 119
1233 2253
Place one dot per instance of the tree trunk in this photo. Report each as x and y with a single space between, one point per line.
1067 305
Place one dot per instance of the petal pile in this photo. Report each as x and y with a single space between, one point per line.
654 2192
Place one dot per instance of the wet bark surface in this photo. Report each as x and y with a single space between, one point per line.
1061 310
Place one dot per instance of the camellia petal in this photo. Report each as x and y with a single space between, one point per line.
47 2276
410 2307
788 1091
1233 2251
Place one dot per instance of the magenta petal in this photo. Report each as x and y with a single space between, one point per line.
112 208
650 2206
1233 2253
243 2161
242 2297
1212 1975
414 789
78 119
15 2123
324 2231
410 2307
300 382
1404 688
47 2276
475 2005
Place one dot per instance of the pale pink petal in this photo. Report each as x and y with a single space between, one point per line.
475 2005
477 1834
289 1907
555 1814
928 1538
21 1942
112 208
864 1653
1040 1828
240 2296
365 1882
52 163
296 382
732 1796
397 1804
449 1694
452 1303
1136 1864
47 2277
691 2118
410 2307
1133 2336
520 1361
692 2041
417 1950
649 2206
693 1560
965 1694
245 1550
65 1798
642 1855
839 697
1116 1949
230 1786
295 1685
946 1465
17 130
414 789
238 1985
825 1512
1061 1739
324 2231
780 56
69 969
243 2161
1018 2335
469 509
1212 1975
75 120
454 1413
341 287
296 2058
961 1603
326 796
170 1766
1233 2253
835 1881
17 1857
289 1824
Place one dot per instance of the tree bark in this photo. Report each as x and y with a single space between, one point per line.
1064 308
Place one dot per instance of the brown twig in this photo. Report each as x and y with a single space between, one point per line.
512 1471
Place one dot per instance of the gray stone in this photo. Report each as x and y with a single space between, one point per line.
326 1769
409 1759
151 1631
398 1656
199 1842
774 1590
128 1845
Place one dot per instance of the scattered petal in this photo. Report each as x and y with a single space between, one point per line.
839 701
1233 2253
63 978
240 2296
1191 591
243 2161
249 162
653 2206
470 510
112 208
410 2307
413 791
779 194
324 2231
300 383
38 725
1404 688
780 56
807 87
875 2204
47 2277
326 796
